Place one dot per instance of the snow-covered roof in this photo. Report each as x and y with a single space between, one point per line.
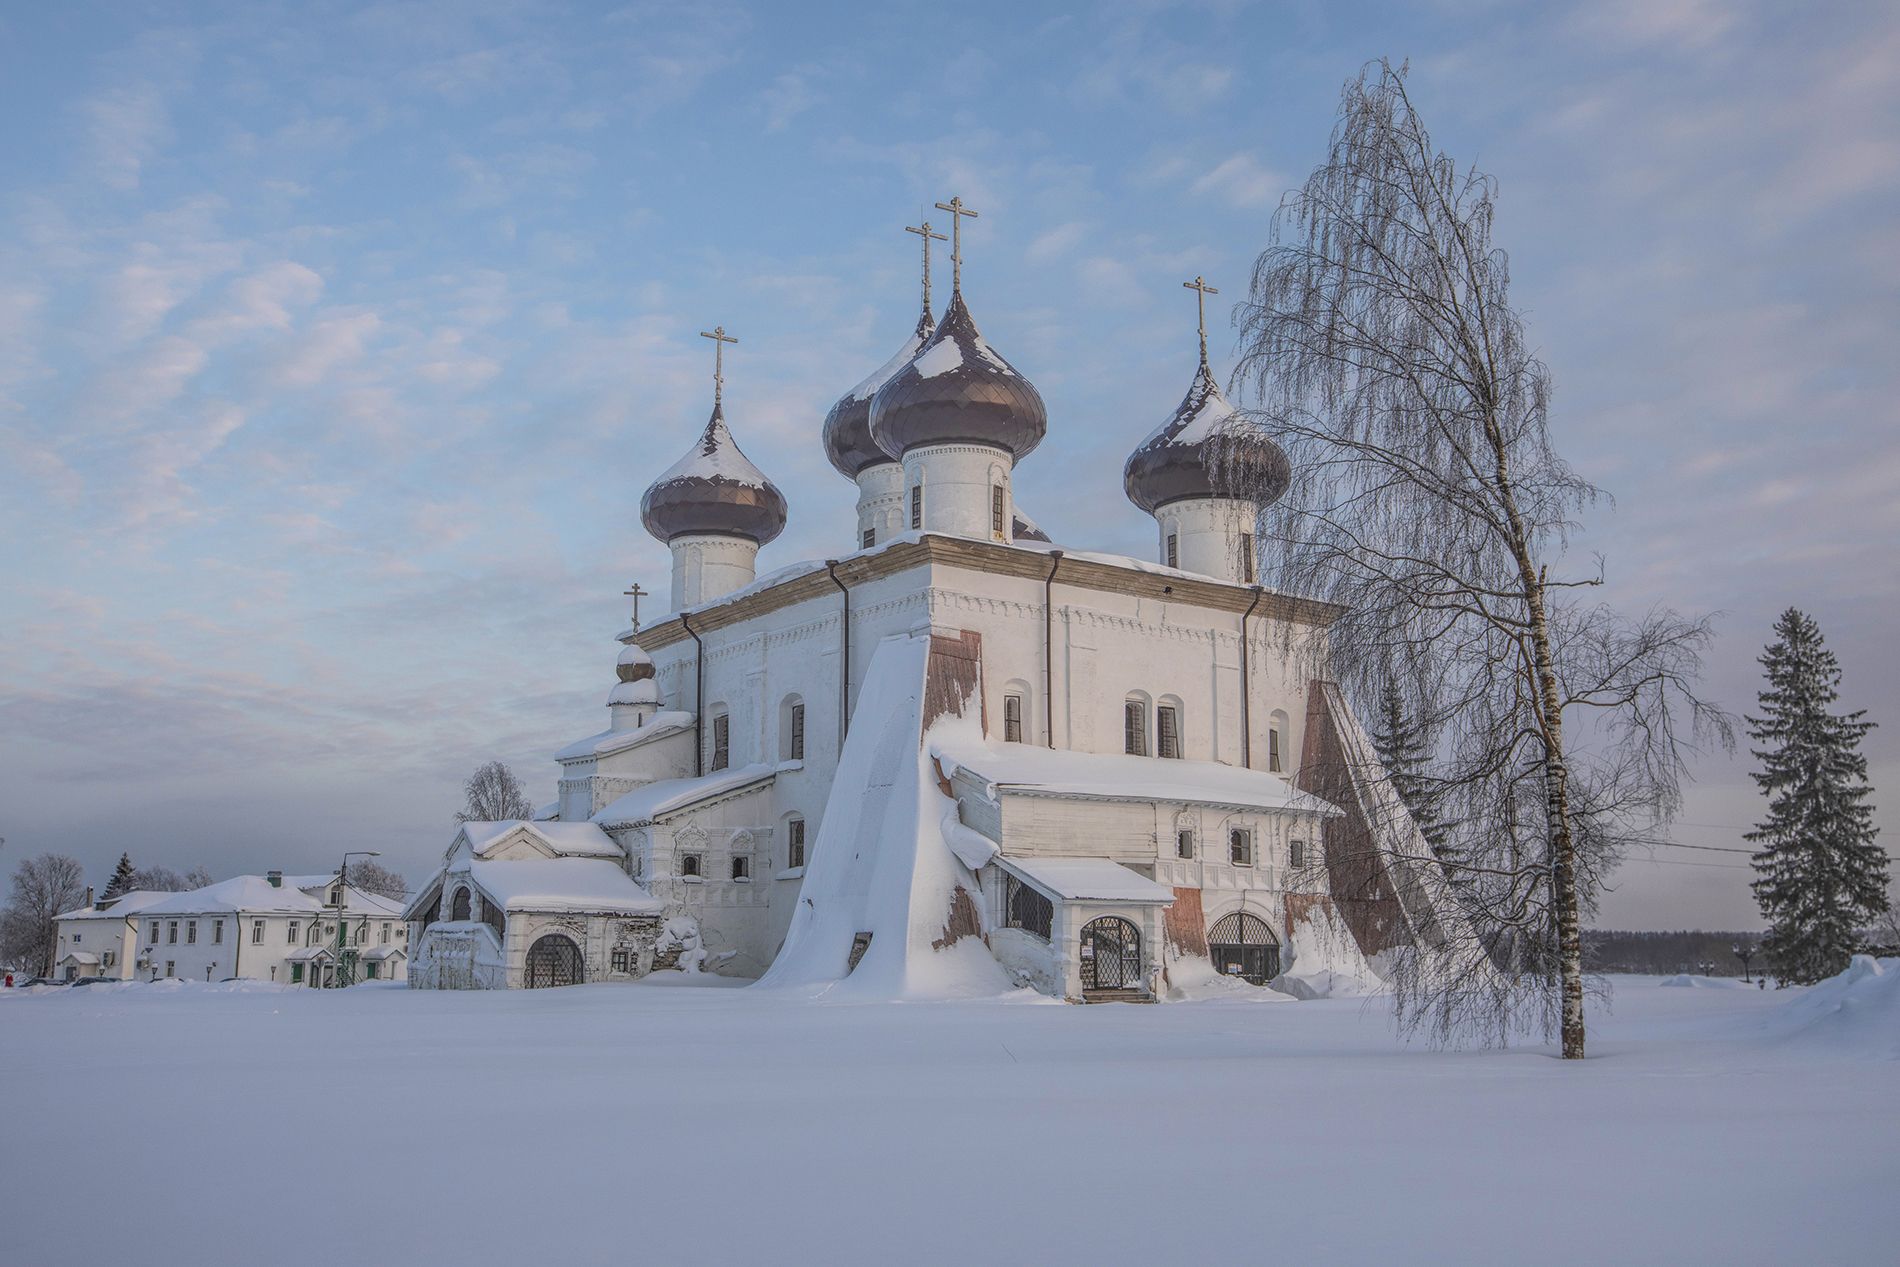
570 840
239 893
384 952
664 722
656 800
1013 767
128 903
303 953
562 884
548 812
1087 880
82 957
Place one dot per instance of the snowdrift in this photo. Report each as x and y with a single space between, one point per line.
884 862
1694 981
1325 961
1854 1014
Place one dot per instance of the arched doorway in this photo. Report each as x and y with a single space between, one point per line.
1242 945
553 960
1111 954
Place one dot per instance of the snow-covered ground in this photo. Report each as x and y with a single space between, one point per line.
246 1124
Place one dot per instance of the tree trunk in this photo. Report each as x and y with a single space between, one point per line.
1563 845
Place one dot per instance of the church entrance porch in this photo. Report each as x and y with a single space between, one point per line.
553 960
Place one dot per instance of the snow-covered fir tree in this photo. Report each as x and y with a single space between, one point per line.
1821 876
122 877
1404 751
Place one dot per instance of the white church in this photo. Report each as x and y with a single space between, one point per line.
955 757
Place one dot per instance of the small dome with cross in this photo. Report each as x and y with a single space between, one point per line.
958 390
715 490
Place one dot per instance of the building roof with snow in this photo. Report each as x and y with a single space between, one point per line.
562 884
671 796
1086 880
1027 770
714 489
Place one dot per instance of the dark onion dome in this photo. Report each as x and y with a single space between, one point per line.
958 390
714 489
1023 528
1205 449
848 440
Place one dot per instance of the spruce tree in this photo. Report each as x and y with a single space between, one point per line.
122 874
1820 876
1403 750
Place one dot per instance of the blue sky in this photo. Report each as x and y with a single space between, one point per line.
338 342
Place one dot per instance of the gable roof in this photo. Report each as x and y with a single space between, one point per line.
562 884
565 840
1087 879
1026 769
665 722
671 796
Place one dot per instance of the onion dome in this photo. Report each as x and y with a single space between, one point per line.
848 440
635 665
958 390
1205 449
714 489
1023 528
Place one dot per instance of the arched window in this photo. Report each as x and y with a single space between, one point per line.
553 960
1135 725
791 728
1018 712
1111 954
1277 742
1242 945
458 909
1169 742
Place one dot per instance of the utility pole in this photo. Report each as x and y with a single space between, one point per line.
342 974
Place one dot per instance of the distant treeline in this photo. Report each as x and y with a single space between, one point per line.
1655 954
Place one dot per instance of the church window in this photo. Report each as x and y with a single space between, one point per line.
997 510
1012 719
1028 909
171 933
191 932
1273 750
1174 550
1184 843
622 959
1240 847
869 539
217 932
1246 557
689 864
1276 742
741 867
795 843
290 936
1242 945
385 933
916 506
257 932
459 908
721 741
798 732
1296 854
1168 731
1135 728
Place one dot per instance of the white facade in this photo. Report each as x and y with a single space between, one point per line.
707 566
881 508
1213 536
959 489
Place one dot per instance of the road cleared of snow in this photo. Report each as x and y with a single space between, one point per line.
248 1124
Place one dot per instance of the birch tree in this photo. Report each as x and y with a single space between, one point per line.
494 795
1381 348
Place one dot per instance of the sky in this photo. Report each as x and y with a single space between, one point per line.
339 341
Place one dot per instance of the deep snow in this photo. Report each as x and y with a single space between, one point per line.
246 1124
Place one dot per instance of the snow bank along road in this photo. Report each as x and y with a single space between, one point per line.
236 1124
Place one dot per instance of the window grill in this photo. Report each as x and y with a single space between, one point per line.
795 843
1012 719
1028 909
1168 732
1184 843
1246 557
721 741
916 507
1174 550
1134 729
1111 954
1240 847
997 524
1273 750
553 960
798 732
869 539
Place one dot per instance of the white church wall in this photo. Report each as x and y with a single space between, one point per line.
958 483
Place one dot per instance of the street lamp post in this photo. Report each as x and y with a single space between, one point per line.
338 974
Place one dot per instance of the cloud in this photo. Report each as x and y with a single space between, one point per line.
1055 243
327 345
126 126
787 97
1241 181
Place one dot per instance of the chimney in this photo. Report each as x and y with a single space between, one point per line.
88 895
275 879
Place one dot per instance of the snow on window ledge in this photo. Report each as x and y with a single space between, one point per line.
790 873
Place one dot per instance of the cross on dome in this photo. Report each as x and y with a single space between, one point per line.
925 233
1201 291
957 211
720 338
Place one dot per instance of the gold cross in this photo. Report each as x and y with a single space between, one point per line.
636 594
957 211
1201 291
925 233
720 338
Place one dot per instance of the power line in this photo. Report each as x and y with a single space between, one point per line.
1672 862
